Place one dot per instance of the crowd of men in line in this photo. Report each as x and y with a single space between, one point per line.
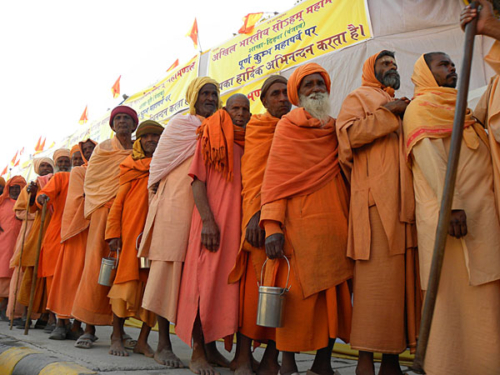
215 193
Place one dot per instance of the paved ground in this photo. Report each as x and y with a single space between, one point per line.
99 361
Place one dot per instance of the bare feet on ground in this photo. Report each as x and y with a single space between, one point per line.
202 367
117 348
168 358
144 348
214 356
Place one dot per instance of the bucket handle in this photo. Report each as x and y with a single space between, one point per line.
287 288
117 257
138 241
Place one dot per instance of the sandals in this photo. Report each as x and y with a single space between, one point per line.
59 333
129 342
74 335
86 341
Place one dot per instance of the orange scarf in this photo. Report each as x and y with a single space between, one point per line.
303 157
368 77
432 111
218 133
131 169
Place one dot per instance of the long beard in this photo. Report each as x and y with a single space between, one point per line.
389 79
318 106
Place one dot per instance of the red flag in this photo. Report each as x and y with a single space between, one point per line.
249 22
38 144
5 170
116 88
193 34
13 161
174 65
84 118
42 145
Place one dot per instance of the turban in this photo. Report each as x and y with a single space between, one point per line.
16 180
75 148
148 127
80 147
269 82
195 87
368 77
38 161
298 75
124 109
2 181
60 153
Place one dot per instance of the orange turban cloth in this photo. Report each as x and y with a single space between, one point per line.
59 153
298 75
38 161
194 89
16 180
80 148
2 181
368 77
75 148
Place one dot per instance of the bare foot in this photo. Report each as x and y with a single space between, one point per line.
117 348
215 357
268 368
244 369
201 366
168 358
144 348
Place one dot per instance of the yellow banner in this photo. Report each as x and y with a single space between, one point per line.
252 91
166 98
311 29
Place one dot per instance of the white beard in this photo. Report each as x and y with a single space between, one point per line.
318 106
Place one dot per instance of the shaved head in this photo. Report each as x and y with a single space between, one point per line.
238 107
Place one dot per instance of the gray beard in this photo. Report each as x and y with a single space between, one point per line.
390 80
318 106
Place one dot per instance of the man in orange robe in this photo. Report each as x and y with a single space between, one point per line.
166 232
259 134
123 232
44 167
9 231
73 233
304 212
381 217
208 304
91 304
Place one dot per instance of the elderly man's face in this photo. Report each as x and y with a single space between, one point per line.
63 164
206 104
77 159
123 124
443 70
276 100
239 110
14 191
386 71
88 148
45 169
149 143
311 84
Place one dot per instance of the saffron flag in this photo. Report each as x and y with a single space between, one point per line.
193 34
13 161
249 22
174 65
5 170
116 88
84 117
37 146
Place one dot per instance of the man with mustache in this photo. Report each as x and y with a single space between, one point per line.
465 327
9 230
208 304
166 232
381 217
259 135
123 231
91 304
304 212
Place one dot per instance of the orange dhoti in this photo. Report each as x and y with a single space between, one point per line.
91 303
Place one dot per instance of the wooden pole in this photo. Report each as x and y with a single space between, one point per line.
35 271
446 202
20 260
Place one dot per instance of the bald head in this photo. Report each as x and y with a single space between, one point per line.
238 107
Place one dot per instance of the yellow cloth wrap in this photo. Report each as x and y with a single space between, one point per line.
194 88
137 151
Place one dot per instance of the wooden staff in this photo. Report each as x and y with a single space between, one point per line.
449 187
20 260
35 271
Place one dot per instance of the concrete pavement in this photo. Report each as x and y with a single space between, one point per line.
35 354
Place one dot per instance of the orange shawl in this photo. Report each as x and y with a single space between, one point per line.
303 157
131 169
259 134
16 180
368 77
73 221
218 133
431 112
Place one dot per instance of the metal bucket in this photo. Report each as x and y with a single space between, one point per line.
144 263
271 302
108 270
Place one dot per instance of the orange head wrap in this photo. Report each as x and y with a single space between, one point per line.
16 180
80 148
298 75
368 77
75 148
